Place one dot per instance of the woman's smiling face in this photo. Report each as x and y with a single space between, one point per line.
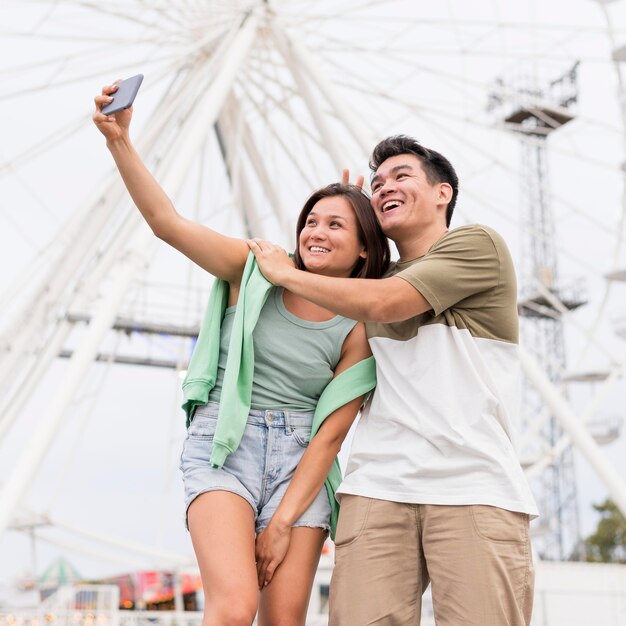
329 242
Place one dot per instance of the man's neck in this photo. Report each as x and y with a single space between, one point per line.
418 245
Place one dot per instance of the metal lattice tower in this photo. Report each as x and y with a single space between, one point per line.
534 114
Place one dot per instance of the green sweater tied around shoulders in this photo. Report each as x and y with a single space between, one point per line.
236 394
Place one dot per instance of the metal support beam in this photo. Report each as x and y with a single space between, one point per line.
146 328
575 428
364 139
258 163
295 64
128 360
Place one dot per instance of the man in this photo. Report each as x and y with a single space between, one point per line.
433 490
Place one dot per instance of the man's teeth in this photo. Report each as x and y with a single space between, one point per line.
392 204
318 249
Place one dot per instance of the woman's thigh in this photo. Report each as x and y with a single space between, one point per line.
286 598
222 531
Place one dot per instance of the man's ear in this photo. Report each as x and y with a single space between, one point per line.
445 193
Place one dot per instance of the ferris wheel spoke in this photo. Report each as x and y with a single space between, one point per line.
621 228
592 407
276 206
480 86
277 83
51 62
267 57
55 83
470 24
347 12
290 151
21 232
446 52
16 161
122 12
266 88
81 39
562 312
65 133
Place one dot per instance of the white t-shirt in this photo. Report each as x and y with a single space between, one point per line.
439 428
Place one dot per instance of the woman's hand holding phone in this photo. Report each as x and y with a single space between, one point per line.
113 126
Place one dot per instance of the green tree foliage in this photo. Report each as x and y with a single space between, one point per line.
608 543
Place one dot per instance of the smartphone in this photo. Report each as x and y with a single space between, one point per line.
124 96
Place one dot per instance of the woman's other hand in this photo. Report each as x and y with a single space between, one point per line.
272 544
113 126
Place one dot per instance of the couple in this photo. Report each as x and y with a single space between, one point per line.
433 490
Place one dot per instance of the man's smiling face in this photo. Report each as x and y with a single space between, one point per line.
402 196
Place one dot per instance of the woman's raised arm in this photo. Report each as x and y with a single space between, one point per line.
219 255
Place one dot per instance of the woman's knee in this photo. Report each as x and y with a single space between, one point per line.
284 620
230 612
284 613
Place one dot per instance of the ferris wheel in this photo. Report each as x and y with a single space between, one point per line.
246 107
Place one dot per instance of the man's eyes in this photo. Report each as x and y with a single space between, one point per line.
376 187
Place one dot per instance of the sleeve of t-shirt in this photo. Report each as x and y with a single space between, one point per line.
463 263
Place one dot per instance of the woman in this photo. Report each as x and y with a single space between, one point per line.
257 510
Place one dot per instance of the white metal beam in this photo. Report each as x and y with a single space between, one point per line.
575 428
229 128
257 161
359 132
329 138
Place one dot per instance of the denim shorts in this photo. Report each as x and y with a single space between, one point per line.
259 470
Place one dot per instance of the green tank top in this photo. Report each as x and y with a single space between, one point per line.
294 359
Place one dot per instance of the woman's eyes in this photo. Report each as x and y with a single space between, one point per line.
312 223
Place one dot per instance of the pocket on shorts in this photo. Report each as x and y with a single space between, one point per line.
302 436
499 525
352 521
202 427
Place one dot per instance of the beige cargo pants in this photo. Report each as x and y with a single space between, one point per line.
477 559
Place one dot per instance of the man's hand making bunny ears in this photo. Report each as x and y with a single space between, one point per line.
345 179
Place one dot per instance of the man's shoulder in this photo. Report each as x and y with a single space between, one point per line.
477 232
463 240
472 239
